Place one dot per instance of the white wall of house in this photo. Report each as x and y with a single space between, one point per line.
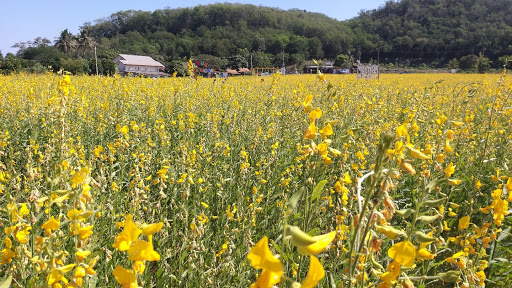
129 68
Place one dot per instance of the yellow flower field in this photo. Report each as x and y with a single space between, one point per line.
294 181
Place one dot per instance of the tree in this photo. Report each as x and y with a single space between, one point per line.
260 59
483 64
74 66
453 64
341 60
240 59
11 64
505 61
178 67
85 43
468 62
66 42
1 55
109 66
47 56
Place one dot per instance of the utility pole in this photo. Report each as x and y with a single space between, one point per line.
378 64
96 59
251 63
283 70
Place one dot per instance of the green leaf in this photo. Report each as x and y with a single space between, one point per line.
295 198
504 234
317 190
7 282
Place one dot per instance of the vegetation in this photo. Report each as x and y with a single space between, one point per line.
407 33
108 181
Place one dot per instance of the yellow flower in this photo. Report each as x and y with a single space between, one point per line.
321 243
447 147
441 120
261 258
150 229
347 179
407 167
445 226
424 254
454 182
449 170
311 132
315 273
24 210
85 232
124 130
308 100
79 272
393 271
7 253
403 252
54 277
75 214
142 250
21 235
51 224
481 278
315 114
129 235
81 255
89 269
464 222
326 131
125 277
79 176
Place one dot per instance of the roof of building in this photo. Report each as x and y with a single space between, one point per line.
138 60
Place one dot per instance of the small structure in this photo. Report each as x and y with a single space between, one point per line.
139 65
264 71
325 67
244 71
232 72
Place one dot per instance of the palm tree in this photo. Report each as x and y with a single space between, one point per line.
85 42
66 42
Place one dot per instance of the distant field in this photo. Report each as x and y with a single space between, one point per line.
87 163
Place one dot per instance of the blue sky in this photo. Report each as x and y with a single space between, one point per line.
24 20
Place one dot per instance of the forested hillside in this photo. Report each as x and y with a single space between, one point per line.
466 34
425 31
225 30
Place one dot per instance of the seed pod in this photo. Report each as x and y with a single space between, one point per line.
427 219
424 238
389 231
450 276
299 237
434 203
405 212
417 153
375 264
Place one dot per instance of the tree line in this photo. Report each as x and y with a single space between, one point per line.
472 35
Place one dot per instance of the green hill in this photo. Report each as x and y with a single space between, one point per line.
425 31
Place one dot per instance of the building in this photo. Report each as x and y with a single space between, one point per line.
139 65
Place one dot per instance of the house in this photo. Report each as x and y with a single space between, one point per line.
139 65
